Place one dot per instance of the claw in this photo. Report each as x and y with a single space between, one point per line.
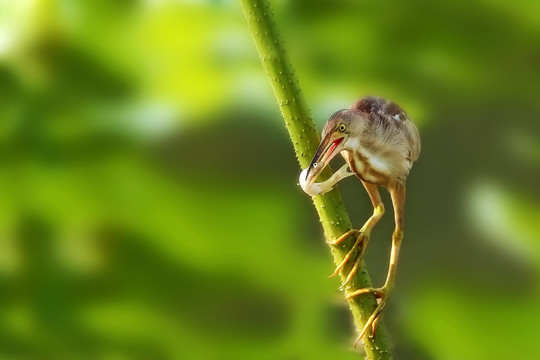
352 272
342 264
380 293
361 242
343 237
372 321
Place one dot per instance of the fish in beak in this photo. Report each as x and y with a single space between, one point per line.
326 152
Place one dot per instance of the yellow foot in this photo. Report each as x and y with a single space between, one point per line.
382 295
361 242
340 239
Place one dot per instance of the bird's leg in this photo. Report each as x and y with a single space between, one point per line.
397 193
312 188
362 235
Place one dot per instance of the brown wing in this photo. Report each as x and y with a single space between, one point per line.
388 117
378 107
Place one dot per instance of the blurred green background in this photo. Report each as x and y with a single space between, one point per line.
149 206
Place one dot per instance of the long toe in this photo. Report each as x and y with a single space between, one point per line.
372 321
340 239
380 293
352 272
361 242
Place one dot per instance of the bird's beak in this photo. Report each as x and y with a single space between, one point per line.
326 151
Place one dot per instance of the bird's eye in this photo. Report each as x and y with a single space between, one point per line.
341 128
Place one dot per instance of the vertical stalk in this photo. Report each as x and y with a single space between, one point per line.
305 139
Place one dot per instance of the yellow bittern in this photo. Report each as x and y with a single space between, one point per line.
379 143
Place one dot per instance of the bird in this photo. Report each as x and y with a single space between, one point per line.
379 143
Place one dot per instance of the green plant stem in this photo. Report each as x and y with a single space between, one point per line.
305 139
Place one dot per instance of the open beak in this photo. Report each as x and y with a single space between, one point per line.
325 153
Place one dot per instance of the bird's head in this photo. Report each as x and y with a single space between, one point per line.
337 132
